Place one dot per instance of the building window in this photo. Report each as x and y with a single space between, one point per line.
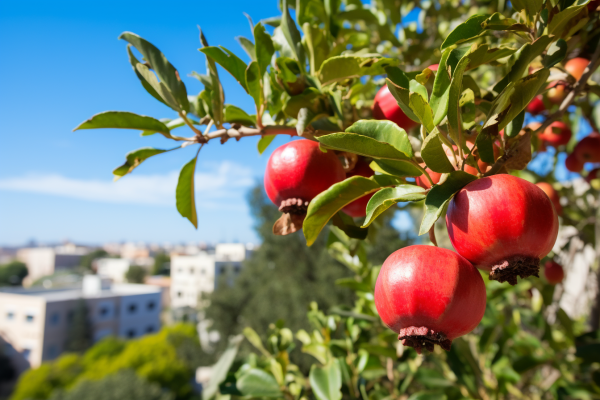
54 319
29 318
103 311
26 354
132 308
10 315
131 333
150 329
52 351
179 294
151 306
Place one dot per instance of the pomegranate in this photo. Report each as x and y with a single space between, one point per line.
434 67
297 172
358 208
386 107
558 133
575 67
593 174
424 182
429 295
573 164
556 94
553 272
536 106
588 148
552 195
502 224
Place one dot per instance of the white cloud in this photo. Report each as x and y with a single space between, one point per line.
217 186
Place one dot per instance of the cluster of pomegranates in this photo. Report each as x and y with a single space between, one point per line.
501 224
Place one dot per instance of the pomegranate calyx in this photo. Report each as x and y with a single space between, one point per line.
508 270
419 337
294 206
288 223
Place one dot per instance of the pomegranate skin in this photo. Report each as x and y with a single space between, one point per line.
434 67
358 208
573 164
536 106
300 170
576 66
424 182
588 148
557 134
552 195
502 224
386 107
429 295
553 272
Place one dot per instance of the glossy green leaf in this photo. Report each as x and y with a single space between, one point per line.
361 145
454 112
468 30
229 61
292 35
560 21
135 158
215 97
167 74
221 368
254 84
434 154
149 88
439 197
264 142
441 90
323 207
264 47
326 381
482 54
396 167
258 383
159 87
555 54
345 222
235 114
387 197
340 68
185 193
422 110
497 22
124 120
305 117
385 132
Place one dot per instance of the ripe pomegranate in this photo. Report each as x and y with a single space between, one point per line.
573 164
536 106
593 174
502 224
429 295
386 107
553 272
575 67
552 195
588 148
297 172
556 94
358 208
434 67
424 182
558 133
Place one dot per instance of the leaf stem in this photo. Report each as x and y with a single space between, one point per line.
189 123
432 235
416 164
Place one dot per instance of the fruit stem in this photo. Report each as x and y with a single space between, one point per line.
432 236
416 164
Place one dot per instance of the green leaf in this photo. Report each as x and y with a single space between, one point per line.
385 132
440 195
326 381
485 147
307 99
561 20
235 114
555 54
258 383
422 110
229 61
185 196
454 114
149 88
248 47
347 225
204 79
254 339
292 35
159 87
340 68
221 368
531 7
124 120
525 55
387 197
468 30
361 145
396 167
264 142
434 155
254 84
264 48
135 158
497 22
305 117
441 90
514 127
482 54
163 68
323 207
216 96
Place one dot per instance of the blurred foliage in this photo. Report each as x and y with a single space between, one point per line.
79 332
161 264
136 274
13 273
87 261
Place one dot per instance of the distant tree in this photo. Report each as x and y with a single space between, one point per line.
79 333
39 383
88 260
7 371
136 274
123 385
161 264
12 274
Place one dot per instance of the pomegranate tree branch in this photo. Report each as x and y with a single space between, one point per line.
238 131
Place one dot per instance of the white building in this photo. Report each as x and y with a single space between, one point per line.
44 261
34 323
113 268
192 275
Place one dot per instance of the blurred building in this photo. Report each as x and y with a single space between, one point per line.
35 323
192 275
164 282
43 261
112 268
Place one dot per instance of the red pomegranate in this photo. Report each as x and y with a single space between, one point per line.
552 195
429 295
573 164
553 272
575 67
386 107
502 224
593 174
536 106
588 148
557 134
297 172
358 208
434 67
424 182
